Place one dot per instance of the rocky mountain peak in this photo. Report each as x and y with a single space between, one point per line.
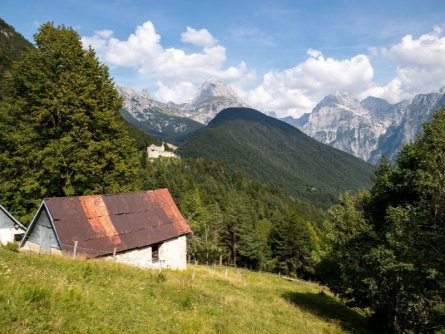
340 99
210 89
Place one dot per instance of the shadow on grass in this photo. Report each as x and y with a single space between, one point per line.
328 308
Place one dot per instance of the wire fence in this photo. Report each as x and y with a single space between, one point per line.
76 251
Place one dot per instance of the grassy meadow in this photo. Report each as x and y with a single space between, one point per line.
47 294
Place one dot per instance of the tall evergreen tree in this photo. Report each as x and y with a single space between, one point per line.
61 132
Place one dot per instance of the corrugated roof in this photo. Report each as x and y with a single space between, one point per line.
100 223
13 220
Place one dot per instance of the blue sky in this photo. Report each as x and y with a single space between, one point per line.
281 56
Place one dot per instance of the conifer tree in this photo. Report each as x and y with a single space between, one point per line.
61 132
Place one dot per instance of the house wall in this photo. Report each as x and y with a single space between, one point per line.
172 255
7 229
42 238
31 246
154 152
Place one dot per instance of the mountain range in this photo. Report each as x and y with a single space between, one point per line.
369 128
272 151
175 122
155 118
366 129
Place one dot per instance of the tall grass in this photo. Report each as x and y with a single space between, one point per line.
43 294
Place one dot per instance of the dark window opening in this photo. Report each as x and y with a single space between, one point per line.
18 237
155 253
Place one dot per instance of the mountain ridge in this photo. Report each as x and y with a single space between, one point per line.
155 118
369 128
273 151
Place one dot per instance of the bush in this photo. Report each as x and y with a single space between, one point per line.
11 246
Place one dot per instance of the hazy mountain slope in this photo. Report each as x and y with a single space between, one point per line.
155 118
370 128
340 121
413 115
272 151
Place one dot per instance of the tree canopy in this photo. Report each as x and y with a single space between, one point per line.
61 132
387 247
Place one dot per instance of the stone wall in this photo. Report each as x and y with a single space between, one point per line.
154 152
172 255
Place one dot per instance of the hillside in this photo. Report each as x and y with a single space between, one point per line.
272 151
12 44
43 294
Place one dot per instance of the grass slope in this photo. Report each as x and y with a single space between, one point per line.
273 151
43 294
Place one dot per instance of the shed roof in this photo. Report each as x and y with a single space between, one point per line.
100 223
11 219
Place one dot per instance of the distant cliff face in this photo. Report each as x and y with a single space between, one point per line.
212 97
155 118
175 122
370 128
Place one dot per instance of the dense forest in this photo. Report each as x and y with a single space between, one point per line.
239 221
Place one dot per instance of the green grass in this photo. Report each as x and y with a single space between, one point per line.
44 294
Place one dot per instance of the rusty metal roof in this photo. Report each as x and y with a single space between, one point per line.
100 223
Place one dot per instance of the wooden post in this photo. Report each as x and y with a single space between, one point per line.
114 254
75 249
193 275
40 245
225 273
220 260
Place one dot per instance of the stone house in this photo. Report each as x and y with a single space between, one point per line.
10 228
144 229
154 152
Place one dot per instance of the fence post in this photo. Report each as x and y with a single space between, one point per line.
114 254
40 245
75 249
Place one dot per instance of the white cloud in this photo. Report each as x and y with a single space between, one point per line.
296 90
174 74
420 66
172 69
198 37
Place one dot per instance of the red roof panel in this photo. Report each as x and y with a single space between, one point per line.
102 222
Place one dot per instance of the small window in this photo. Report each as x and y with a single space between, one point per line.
18 237
155 253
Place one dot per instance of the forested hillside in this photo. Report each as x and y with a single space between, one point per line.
274 152
239 221
12 45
